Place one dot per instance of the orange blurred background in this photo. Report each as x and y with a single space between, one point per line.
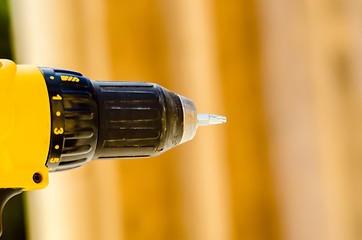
287 74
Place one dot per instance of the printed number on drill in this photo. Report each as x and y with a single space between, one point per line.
58 131
54 160
57 97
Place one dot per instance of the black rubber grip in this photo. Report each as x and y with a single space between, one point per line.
136 119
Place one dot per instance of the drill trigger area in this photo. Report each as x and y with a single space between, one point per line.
5 195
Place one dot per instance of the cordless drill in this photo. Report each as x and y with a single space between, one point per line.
56 120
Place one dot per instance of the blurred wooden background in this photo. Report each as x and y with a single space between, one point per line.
287 75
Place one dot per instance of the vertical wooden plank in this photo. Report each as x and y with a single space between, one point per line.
305 42
149 186
202 166
292 133
253 198
349 75
328 35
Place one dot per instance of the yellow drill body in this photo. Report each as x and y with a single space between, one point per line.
24 126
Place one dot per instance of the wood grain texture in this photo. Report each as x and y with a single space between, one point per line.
310 56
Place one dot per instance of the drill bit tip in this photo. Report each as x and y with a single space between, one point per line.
208 119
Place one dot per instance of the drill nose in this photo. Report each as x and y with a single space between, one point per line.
192 120
189 119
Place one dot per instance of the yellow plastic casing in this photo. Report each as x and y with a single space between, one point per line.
25 126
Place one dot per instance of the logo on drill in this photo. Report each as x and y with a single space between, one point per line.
69 79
